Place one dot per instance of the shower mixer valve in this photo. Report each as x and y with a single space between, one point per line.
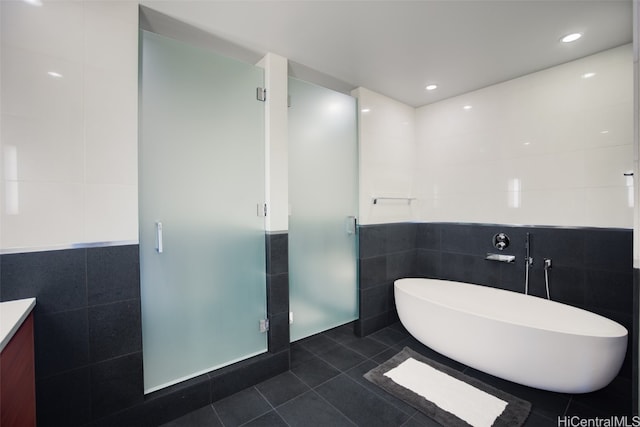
500 241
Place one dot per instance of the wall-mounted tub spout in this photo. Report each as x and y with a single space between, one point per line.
500 257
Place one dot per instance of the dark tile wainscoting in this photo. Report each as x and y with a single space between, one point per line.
592 268
88 337
278 291
634 340
387 252
88 331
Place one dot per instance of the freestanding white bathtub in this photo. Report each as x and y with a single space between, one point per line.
524 339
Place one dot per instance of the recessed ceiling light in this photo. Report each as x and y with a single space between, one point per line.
431 87
588 75
54 74
604 132
467 107
365 110
571 37
33 2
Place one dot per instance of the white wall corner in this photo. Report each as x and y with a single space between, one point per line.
387 148
276 142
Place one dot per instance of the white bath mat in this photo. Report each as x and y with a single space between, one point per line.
467 402
446 395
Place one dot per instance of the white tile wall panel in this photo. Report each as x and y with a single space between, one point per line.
567 140
68 142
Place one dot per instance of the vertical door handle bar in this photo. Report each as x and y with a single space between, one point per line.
159 247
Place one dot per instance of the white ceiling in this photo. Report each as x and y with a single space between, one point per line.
398 47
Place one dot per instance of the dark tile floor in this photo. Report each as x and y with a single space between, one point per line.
325 387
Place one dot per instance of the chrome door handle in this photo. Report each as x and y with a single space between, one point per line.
159 247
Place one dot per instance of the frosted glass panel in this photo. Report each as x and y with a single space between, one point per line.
201 177
323 169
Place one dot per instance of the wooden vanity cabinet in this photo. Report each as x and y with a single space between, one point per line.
17 379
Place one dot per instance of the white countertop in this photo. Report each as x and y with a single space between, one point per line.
12 314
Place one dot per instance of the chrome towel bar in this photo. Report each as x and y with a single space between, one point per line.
408 199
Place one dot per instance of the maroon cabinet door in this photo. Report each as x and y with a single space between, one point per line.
17 379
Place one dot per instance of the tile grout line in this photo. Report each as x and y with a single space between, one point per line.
568 405
331 404
273 408
281 417
263 396
358 364
313 390
257 416
215 411
319 356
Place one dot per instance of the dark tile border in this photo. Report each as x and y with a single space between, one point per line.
582 258
634 342
88 336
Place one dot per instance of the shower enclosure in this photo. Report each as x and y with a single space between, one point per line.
201 183
323 186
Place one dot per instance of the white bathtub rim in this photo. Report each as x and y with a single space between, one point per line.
621 330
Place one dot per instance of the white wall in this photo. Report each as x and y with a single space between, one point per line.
387 150
68 144
276 141
549 148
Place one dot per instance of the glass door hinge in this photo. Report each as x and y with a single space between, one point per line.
261 94
261 209
264 325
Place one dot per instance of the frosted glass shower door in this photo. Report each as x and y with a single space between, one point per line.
202 250
323 170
